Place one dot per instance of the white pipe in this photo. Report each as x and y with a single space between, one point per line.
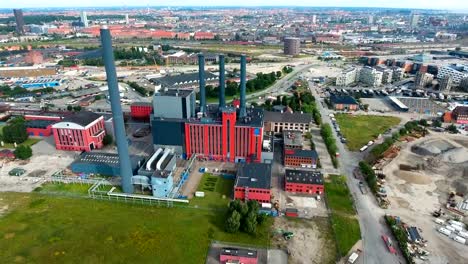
151 160
166 153
110 193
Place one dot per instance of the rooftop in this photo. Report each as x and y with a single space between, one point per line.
82 118
304 176
174 92
102 158
301 153
182 79
345 99
39 123
240 252
142 104
287 117
254 175
461 110
292 138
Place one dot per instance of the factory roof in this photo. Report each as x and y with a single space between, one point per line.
292 138
304 176
102 158
82 118
461 110
254 175
287 117
39 123
174 92
141 104
304 153
182 79
345 99
239 252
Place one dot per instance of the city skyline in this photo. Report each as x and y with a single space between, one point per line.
457 5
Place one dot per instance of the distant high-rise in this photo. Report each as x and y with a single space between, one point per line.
370 20
84 19
445 83
292 46
414 20
19 21
314 19
127 20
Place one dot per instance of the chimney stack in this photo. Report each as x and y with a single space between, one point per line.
222 82
243 77
201 79
119 128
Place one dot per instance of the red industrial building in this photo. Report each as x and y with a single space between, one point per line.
228 139
298 158
460 114
141 110
238 255
39 128
83 131
253 182
304 181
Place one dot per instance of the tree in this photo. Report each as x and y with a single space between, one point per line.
69 107
98 97
107 140
15 132
250 225
23 152
233 222
77 108
278 74
436 123
452 129
423 122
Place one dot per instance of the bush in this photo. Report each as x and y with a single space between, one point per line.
330 142
369 175
23 152
107 140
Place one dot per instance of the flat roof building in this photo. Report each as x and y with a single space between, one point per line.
304 181
102 163
344 103
253 182
277 122
292 139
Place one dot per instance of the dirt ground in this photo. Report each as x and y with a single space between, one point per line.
415 194
311 241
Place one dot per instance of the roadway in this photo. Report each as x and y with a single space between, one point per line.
370 214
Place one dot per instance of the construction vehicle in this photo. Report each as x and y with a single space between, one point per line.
288 235
437 213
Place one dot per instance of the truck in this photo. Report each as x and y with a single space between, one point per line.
363 148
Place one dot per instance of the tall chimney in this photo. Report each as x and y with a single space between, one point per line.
201 79
114 94
222 82
243 77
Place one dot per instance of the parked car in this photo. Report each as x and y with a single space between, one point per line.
389 244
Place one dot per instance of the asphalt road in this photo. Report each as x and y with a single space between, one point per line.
370 214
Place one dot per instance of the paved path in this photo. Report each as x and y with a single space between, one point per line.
370 214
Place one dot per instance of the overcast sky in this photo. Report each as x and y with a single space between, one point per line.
432 4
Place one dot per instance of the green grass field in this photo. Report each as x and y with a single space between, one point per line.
62 188
343 217
40 228
360 129
217 190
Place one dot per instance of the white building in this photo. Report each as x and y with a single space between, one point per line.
347 77
370 76
84 19
456 71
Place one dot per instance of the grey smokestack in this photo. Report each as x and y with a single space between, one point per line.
243 77
201 78
114 94
222 82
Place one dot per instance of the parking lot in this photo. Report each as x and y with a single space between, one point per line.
422 105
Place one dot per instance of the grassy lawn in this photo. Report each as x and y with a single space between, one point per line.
62 188
343 217
217 190
360 129
43 229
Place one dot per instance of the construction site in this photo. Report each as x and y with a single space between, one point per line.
425 182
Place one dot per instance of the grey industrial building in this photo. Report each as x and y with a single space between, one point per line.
276 122
102 163
174 103
185 80
292 46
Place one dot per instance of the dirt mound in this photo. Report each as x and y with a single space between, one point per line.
413 177
456 155
431 147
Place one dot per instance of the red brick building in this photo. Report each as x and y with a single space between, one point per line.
253 182
39 128
203 35
83 131
141 110
460 114
300 158
344 103
238 255
304 181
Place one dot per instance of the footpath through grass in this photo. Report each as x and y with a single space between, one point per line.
343 216
40 228
360 129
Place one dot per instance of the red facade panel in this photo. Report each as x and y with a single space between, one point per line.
304 188
259 195
85 139
141 111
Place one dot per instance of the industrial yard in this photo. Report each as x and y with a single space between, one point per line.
418 183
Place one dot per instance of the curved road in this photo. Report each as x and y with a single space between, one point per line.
370 214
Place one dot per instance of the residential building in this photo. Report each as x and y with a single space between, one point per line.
414 20
304 181
253 182
292 46
19 19
141 110
276 122
387 74
460 114
300 158
458 72
238 255
370 76
203 35
464 84
445 84
344 103
398 73
422 79
83 131
292 139
347 77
